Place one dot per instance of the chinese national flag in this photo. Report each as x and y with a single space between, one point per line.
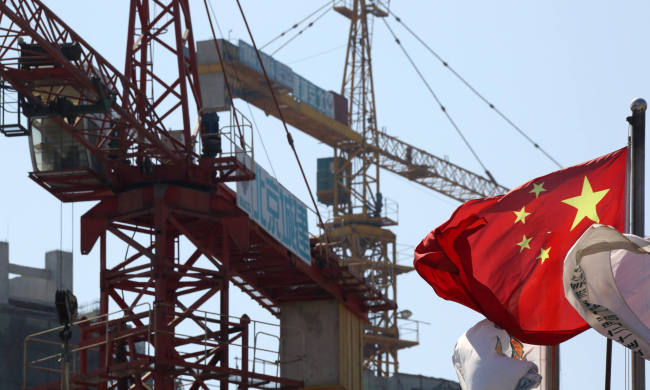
503 256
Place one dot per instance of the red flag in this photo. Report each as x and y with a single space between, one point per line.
503 256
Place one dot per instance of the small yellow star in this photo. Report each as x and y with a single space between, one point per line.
544 254
537 189
521 215
524 244
585 203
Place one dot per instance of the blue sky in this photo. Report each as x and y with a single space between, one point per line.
565 72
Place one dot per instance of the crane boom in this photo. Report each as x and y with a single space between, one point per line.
111 130
31 18
397 156
433 172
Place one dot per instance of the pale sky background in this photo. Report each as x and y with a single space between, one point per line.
564 71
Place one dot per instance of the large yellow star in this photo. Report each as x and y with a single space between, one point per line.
521 215
537 189
524 244
586 203
544 254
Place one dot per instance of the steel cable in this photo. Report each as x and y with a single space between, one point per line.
59 274
225 77
317 54
474 90
295 25
311 24
284 123
216 21
442 107
257 130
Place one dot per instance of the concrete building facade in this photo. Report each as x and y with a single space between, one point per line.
401 381
27 307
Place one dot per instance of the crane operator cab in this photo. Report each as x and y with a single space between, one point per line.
53 149
59 107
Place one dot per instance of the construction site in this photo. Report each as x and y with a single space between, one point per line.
201 269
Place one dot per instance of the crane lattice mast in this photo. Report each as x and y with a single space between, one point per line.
359 222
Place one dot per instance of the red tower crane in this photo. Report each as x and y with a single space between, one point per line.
97 134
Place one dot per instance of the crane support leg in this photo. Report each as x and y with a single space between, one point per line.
168 331
164 293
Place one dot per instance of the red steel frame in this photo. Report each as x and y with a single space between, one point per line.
146 29
164 213
131 131
226 247
32 19
237 250
182 196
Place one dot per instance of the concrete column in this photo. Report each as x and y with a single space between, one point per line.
59 263
321 344
4 272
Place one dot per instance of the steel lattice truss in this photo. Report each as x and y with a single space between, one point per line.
178 287
356 169
433 172
368 250
157 94
121 120
32 21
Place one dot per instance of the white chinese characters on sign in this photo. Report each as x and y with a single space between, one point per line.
276 210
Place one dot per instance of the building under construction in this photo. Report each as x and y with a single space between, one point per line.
26 308
199 216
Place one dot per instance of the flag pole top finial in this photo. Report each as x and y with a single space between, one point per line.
638 104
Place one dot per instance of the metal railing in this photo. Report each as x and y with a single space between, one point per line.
43 363
12 122
88 308
405 254
239 135
389 212
198 335
409 330
264 356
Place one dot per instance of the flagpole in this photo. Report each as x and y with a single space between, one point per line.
552 367
636 214
608 365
